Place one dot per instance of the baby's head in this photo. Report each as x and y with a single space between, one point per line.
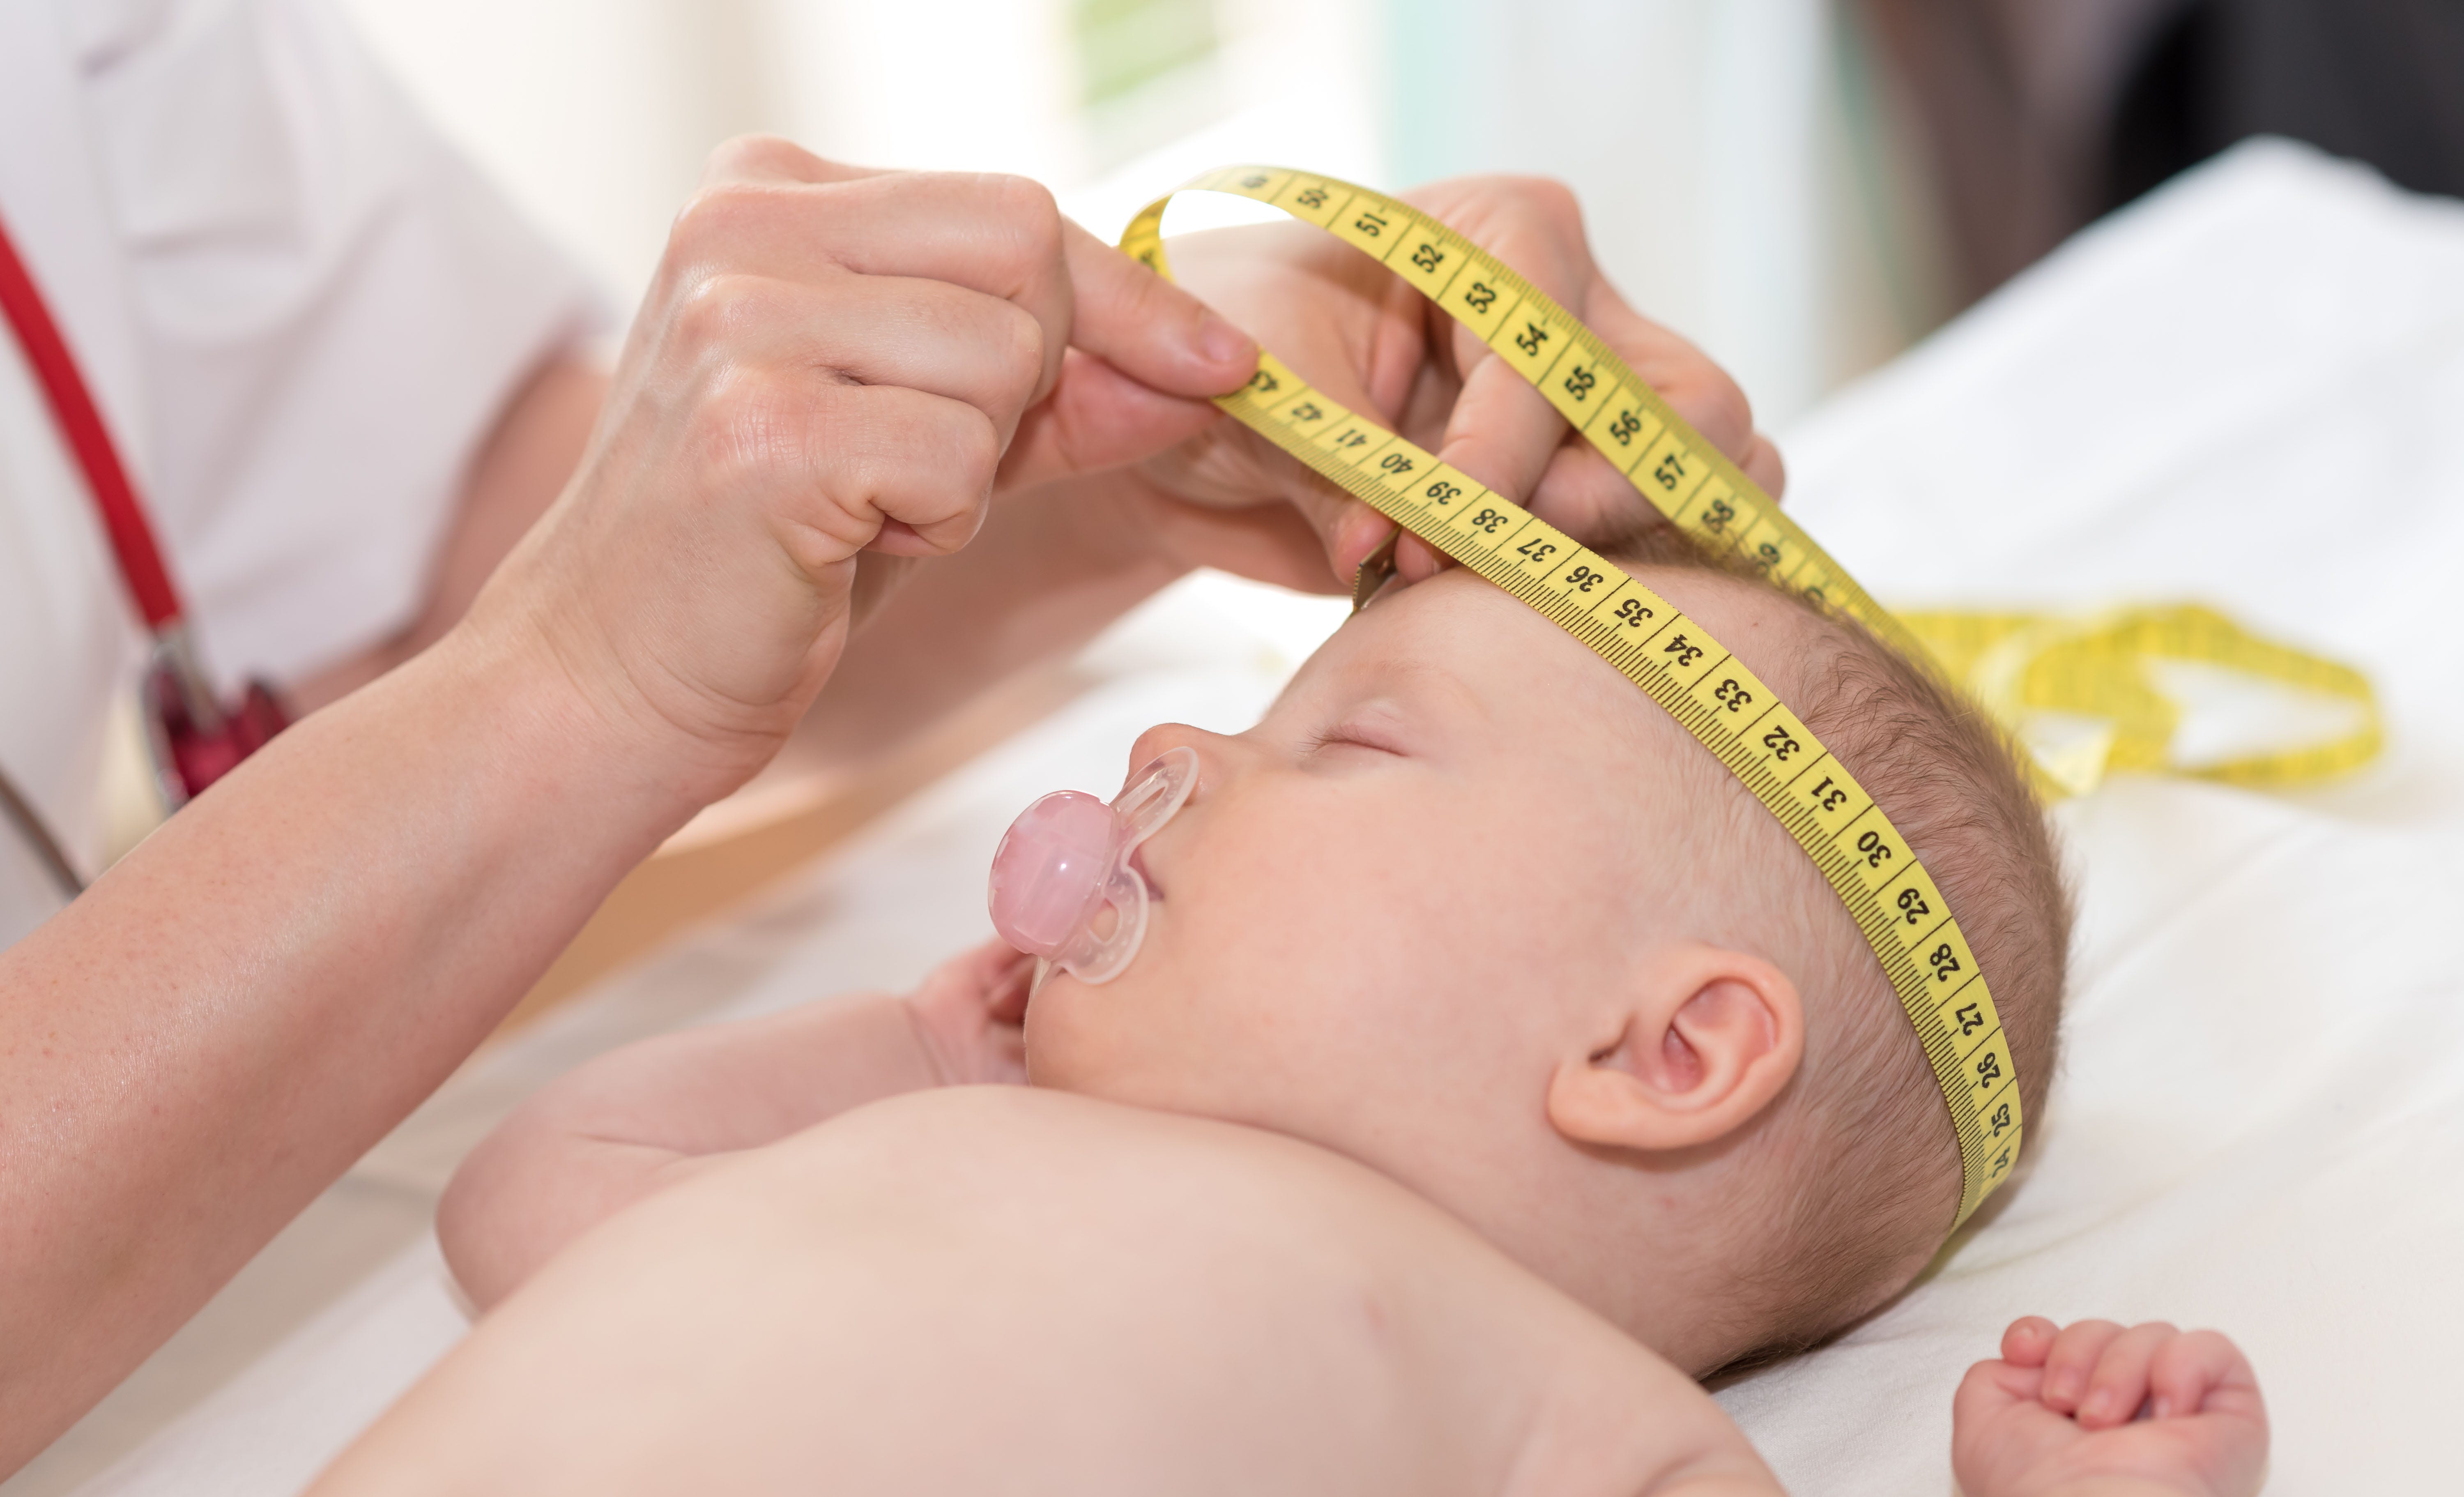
1470 908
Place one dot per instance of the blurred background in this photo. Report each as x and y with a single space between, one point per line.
1804 187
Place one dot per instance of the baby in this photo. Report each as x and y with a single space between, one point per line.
1493 1067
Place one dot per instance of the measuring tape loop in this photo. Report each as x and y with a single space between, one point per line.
2094 666
1711 693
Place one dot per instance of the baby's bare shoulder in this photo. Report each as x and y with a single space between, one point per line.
987 1151
1281 1262
998 1288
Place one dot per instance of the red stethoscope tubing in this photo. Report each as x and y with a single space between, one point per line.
89 441
196 739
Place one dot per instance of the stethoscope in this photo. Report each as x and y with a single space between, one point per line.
194 737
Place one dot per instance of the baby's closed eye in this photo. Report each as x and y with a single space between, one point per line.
1337 739
1368 733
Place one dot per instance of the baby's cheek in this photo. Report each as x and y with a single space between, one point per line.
1068 1045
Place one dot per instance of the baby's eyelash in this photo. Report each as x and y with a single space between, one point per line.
1330 737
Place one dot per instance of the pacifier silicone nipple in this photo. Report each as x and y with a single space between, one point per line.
1066 862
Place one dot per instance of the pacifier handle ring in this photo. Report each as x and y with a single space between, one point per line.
1030 895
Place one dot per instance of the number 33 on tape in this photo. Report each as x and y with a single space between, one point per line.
1673 658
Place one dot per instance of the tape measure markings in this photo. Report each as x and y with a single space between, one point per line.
2093 665
1709 691
1615 410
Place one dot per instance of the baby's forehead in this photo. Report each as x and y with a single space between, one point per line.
1582 735
1461 634
1511 652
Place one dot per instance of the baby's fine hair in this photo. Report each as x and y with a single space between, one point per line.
1863 1175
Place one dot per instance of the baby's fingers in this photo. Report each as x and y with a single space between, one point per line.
2119 1386
1990 1388
980 969
2199 1371
2075 1351
2029 1341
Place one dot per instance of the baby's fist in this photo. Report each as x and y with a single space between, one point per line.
971 1014
2094 1409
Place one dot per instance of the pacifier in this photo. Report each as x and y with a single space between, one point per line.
1066 862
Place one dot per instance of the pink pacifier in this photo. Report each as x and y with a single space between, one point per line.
1066 861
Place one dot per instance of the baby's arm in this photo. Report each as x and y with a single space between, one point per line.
638 1120
2094 1410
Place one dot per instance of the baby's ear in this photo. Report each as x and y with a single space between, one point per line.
1701 1040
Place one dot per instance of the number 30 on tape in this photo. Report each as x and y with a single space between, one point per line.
1708 689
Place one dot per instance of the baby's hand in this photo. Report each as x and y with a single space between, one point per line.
2095 1409
971 1014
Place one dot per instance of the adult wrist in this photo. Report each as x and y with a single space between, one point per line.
557 736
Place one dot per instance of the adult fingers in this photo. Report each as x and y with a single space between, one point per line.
2118 1386
1267 542
2072 1358
1229 465
1146 327
1346 325
875 455
1502 432
771 158
926 335
1693 386
1585 495
1764 465
1096 417
995 234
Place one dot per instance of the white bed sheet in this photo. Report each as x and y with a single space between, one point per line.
2244 390
2248 390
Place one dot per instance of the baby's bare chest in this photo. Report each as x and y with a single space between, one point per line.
992 1296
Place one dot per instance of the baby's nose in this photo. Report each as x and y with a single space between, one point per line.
1165 736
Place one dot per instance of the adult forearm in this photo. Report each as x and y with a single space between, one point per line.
213 1032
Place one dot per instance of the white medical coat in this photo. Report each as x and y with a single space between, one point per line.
299 312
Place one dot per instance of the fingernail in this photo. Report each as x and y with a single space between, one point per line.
2065 1388
1222 343
2160 1408
2100 1405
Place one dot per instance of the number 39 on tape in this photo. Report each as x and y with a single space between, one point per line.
1673 658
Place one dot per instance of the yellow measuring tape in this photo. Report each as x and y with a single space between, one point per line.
2095 667
1708 689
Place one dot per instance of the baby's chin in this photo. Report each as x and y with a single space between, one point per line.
1075 1034
1112 1042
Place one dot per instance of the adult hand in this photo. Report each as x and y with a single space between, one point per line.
1359 332
829 363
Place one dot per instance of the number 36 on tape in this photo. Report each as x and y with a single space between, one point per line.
1672 657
